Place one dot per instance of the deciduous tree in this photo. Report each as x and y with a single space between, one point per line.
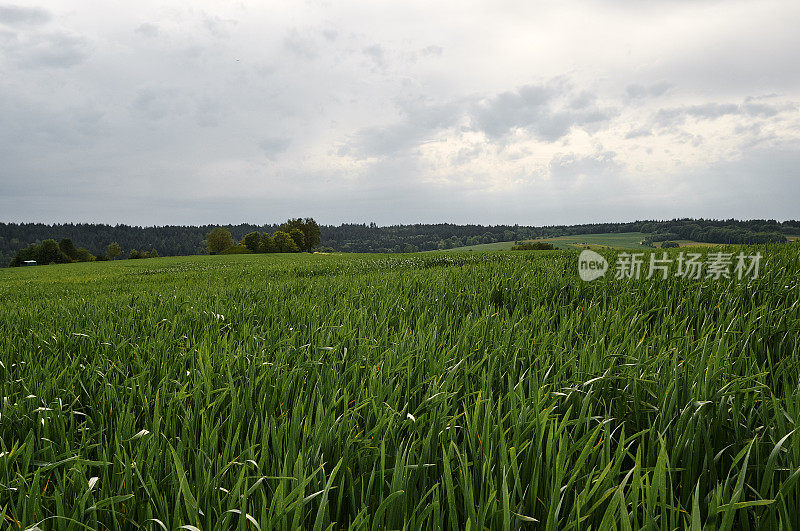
309 228
297 236
68 248
114 250
219 239
267 244
252 241
284 243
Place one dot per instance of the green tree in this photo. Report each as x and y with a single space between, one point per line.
267 244
113 251
68 248
310 229
284 243
252 241
297 236
83 255
134 254
49 252
219 239
312 234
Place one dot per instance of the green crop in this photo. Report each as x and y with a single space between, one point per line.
453 391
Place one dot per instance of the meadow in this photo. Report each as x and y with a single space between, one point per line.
617 240
425 391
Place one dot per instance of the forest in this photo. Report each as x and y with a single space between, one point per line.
177 240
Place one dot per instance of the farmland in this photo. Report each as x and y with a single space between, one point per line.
455 390
622 240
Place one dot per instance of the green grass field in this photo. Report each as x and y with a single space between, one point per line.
622 240
496 246
436 390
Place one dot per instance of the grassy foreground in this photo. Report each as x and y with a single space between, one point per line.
454 391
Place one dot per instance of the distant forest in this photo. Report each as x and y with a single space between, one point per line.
370 238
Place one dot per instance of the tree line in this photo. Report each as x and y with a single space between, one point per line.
698 232
50 251
370 238
291 237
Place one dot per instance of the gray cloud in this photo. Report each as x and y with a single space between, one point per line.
23 16
638 133
156 104
432 51
375 53
528 106
208 112
421 122
539 110
300 45
148 30
712 111
466 155
218 27
763 110
272 147
51 50
570 167
582 100
637 91
547 112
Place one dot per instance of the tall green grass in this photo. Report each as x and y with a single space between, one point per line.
457 391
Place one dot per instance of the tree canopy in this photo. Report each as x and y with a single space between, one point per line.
252 241
308 228
113 251
284 242
219 239
51 252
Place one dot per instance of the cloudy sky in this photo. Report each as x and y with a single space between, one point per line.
399 112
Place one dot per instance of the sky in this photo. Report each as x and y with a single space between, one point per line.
489 112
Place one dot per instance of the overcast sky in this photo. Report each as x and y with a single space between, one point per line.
399 112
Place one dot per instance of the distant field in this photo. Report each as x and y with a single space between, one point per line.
622 240
496 246
690 243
